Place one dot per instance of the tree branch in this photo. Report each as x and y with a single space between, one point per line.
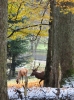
19 9
40 25
42 20
16 30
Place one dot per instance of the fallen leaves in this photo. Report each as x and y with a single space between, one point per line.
30 84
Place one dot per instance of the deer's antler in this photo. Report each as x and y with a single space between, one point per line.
38 66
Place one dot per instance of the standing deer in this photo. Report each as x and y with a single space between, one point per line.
39 75
22 72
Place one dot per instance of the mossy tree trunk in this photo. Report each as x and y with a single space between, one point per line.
3 50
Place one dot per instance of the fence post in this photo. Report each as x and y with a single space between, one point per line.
26 86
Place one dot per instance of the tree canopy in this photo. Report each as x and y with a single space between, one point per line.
27 17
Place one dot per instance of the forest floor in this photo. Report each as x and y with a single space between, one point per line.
35 92
31 83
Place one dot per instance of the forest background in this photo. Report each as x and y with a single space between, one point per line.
58 15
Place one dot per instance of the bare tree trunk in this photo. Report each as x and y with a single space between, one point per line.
56 66
34 44
63 51
13 66
62 46
49 78
66 43
3 50
48 64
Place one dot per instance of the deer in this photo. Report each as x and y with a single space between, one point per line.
21 73
38 75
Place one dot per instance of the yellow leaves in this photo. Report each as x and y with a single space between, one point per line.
31 12
72 10
66 6
25 32
65 13
44 33
67 10
18 34
64 1
12 8
27 13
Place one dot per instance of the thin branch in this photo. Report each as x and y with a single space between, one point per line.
16 30
40 25
42 20
19 9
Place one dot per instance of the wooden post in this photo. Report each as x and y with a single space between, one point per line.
26 85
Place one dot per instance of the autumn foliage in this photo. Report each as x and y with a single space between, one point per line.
30 84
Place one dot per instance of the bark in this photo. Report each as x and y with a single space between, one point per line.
62 49
62 46
13 65
63 30
55 49
67 39
3 49
48 70
48 64
34 44
71 23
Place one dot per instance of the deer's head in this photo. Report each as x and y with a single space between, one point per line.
34 70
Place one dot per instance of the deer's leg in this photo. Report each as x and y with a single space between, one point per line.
40 81
22 79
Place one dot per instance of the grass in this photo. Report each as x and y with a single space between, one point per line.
42 47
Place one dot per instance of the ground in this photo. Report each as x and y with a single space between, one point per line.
35 92
31 83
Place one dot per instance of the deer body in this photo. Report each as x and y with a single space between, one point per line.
39 75
21 73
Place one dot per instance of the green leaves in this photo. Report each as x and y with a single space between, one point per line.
17 46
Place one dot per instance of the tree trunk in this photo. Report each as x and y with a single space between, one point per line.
3 50
49 78
48 64
13 66
63 52
62 46
66 41
56 66
34 43
63 30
